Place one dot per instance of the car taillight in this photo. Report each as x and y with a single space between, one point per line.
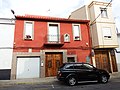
59 73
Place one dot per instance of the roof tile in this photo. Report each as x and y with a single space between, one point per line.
49 18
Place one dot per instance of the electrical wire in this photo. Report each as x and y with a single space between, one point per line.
100 13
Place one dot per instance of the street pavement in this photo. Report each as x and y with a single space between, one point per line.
5 83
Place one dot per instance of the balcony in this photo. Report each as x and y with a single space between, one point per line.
54 40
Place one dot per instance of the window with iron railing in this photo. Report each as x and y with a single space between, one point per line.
53 38
53 32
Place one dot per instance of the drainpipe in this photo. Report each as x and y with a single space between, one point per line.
90 43
91 49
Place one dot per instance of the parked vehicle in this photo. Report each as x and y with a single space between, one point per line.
72 73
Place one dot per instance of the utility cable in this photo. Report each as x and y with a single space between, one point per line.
100 13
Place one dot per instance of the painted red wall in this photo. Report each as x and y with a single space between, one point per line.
40 31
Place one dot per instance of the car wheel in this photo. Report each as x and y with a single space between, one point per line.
103 79
71 81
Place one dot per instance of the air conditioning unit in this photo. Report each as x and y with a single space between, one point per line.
28 37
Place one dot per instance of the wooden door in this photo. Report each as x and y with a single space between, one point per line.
102 60
53 62
114 63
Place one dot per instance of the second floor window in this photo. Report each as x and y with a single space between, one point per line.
53 32
76 32
106 32
28 30
103 12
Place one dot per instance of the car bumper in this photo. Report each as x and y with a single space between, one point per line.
61 78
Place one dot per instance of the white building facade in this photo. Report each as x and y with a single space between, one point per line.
103 33
118 53
6 46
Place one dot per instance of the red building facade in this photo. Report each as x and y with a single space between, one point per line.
42 44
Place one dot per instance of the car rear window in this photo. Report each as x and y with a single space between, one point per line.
62 66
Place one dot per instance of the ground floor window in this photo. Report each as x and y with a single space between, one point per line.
71 58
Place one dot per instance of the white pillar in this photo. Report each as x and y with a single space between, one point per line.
111 66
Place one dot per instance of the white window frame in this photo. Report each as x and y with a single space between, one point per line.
58 24
106 31
104 13
77 37
26 35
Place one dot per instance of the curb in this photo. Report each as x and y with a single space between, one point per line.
115 75
7 83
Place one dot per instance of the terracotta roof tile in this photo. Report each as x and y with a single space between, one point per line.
48 18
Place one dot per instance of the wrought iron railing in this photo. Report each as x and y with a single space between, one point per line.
54 39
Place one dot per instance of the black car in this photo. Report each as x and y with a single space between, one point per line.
71 73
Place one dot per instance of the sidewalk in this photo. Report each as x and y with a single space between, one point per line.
39 81
27 81
115 75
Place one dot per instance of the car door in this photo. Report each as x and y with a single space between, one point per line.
80 71
90 72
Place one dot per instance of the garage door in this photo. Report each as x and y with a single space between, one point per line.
28 67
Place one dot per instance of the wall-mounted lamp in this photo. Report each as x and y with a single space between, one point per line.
86 44
13 13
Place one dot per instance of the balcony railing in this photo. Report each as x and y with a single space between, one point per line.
54 40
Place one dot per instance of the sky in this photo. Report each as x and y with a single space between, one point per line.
56 8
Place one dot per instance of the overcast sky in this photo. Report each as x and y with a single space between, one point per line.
56 8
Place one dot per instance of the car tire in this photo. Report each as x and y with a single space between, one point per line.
103 79
71 81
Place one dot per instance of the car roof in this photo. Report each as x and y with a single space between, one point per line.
76 63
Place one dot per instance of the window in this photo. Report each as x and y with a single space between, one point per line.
70 59
53 33
106 33
78 66
28 30
103 12
76 32
88 66
69 66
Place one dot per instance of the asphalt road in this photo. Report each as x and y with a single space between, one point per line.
113 84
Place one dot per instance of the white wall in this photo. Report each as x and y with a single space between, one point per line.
6 43
80 13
